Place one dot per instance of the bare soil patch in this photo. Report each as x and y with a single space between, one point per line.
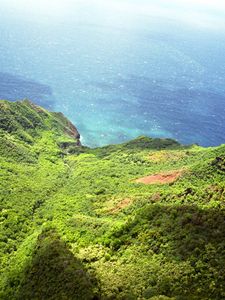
122 204
161 178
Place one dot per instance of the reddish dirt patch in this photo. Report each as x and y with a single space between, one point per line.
122 204
161 178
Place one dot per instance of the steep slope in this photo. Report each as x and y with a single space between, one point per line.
76 223
23 123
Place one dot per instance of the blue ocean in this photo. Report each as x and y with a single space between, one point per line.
119 69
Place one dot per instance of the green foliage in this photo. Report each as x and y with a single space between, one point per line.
75 224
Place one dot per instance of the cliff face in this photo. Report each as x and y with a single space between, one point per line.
27 122
140 220
67 126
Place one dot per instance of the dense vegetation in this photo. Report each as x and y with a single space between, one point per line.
76 225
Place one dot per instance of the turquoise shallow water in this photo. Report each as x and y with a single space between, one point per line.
118 69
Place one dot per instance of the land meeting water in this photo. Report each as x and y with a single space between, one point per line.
119 69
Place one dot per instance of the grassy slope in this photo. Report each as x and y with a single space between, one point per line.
75 217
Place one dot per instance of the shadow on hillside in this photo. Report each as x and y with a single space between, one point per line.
14 88
55 273
188 229
184 235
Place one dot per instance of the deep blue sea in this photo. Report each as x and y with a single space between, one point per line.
119 69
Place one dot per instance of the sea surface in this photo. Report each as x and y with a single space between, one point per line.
119 69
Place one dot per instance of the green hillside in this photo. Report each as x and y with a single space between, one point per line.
140 220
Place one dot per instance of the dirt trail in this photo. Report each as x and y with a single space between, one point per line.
161 178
